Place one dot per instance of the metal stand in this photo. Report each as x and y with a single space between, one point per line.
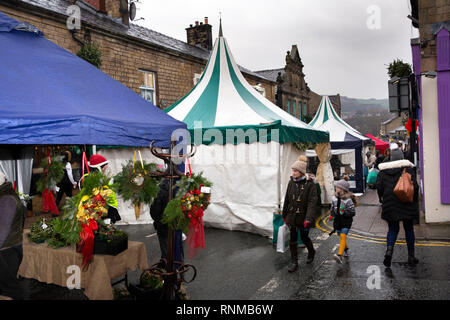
172 281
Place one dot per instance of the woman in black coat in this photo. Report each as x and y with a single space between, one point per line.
393 210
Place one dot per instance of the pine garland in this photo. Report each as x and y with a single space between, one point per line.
55 173
136 184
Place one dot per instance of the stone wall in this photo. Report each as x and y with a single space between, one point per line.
431 11
123 57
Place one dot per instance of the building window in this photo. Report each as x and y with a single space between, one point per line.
300 111
147 80
305 109
289 106
294 112
197 77
260 89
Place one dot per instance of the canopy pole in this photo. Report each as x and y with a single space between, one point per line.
94 149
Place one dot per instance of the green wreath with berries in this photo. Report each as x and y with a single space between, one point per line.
135 184
180 210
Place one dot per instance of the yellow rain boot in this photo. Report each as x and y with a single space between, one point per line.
343 243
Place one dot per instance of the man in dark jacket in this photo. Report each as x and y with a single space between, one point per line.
156 212
12 217
393 210
299 210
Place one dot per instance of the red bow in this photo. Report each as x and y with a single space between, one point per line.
48 202
196 234
86 244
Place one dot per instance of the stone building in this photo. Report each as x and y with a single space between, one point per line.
159 68
394 126
292 92
431 65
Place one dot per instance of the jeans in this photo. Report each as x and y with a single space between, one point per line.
343 230
394 228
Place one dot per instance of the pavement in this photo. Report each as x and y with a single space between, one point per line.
243 266
367 221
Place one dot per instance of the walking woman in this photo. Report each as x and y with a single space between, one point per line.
393 210
299 210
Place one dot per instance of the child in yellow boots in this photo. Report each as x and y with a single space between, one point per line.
342 212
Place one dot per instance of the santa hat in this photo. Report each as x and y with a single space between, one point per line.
96 161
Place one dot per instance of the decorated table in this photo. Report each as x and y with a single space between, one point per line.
49 265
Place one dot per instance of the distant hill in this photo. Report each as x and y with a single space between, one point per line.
365 115
350 105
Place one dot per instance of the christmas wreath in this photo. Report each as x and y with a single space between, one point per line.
135 184
53 174
185 211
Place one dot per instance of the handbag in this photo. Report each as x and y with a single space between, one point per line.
404 189
283 238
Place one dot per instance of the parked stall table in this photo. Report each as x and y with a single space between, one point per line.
50 265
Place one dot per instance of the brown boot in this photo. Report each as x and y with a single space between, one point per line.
294 257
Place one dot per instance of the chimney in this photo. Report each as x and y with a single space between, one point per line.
200 34
124 12
118 9
99 5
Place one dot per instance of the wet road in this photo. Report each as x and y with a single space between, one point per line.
242 266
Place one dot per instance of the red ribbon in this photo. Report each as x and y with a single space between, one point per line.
196 234
48 202
86 244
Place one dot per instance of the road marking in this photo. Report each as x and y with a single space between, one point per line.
326 228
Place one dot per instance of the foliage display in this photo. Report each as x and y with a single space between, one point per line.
53 174
91 53
135 184
398 68
182 209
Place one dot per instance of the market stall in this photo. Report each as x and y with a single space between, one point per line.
342 137
246 144
68 101
380 145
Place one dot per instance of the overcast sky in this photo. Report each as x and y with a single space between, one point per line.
345 45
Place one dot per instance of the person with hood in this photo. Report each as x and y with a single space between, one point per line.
342 213
299 210
393 210
12 218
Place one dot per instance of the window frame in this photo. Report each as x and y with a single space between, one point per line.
145 86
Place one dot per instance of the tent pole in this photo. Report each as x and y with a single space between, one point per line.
279 176
94 149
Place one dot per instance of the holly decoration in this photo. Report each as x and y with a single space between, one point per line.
135 184
184 207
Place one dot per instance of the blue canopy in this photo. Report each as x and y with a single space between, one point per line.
50 96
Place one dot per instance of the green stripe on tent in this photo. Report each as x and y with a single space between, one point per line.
325 115
208 98
263 132
249 99
187 94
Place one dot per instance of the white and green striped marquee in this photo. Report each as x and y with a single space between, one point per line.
222 99
327 119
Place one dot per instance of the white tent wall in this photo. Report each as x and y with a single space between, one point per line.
117 158
19 169
249 182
